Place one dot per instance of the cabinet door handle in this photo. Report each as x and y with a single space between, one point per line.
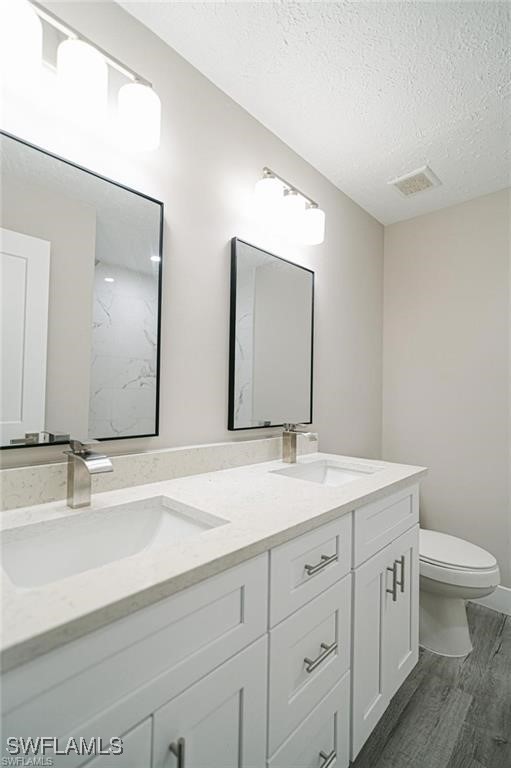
312 664
393 591
178 749
329 759
324 561
401 581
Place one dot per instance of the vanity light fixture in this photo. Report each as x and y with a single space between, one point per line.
83 78
21 41
292 209
139 116
302 219
268 192
82 68
313 225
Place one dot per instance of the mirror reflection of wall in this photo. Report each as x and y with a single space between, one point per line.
271 340
80 271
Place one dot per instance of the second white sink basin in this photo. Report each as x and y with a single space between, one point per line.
325 472
33 555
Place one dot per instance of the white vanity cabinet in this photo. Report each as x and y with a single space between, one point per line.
287 660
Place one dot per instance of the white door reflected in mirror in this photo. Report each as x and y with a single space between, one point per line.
24 284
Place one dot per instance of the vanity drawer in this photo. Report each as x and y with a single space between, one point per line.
377 524
104 683
302 568
322 737
309 653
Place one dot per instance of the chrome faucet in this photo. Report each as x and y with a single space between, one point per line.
81 464
289 436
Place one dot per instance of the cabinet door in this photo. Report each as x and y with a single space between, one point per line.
136 750
369 670
402 615
220 721
385 641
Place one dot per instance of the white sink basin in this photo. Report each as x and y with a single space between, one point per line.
33 555
325 472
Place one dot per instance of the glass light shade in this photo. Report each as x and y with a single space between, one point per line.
292 210
267 194
21 42
313 226
139 117
83 79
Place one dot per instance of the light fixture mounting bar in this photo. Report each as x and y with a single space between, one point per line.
269 173
69 31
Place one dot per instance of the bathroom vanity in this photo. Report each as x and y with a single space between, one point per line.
273 636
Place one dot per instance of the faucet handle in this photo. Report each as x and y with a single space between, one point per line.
298 428
81 446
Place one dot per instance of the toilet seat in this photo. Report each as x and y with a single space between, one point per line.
481 578
454 561
451 552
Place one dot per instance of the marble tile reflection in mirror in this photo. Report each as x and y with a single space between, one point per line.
270 377
81 270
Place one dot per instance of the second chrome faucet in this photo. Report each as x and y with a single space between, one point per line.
289 438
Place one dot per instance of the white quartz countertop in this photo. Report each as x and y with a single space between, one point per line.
263 510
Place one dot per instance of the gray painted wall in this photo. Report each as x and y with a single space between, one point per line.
446 380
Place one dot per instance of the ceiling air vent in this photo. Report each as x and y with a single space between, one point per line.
416 181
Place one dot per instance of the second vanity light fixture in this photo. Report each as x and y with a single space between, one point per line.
289 209
82 75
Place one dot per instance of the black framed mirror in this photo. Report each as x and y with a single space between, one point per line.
81 266
271 340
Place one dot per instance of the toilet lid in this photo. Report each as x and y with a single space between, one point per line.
451 552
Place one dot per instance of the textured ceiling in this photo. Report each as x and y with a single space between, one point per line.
364 91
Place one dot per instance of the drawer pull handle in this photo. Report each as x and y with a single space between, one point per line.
325 560
329 759
312 664
401 581
178 749
393 591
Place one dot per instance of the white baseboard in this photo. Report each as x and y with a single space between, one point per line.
500 600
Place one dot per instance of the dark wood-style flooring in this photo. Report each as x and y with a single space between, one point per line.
451 713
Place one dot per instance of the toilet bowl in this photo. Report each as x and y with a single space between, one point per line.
451 571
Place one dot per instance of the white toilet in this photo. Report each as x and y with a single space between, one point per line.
451 571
